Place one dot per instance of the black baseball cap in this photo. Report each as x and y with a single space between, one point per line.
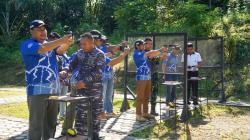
139 42
36 23
96 34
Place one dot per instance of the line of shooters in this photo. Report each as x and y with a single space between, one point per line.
89 72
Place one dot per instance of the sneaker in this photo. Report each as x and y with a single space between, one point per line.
113 115
148 116
140 118
103 116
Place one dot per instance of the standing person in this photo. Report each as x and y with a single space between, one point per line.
169 67
154 62
42 79
91 62
143 78
193 64
108 73
63 62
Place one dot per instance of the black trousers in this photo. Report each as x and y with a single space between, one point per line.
194 85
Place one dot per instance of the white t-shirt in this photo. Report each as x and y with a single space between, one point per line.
192 61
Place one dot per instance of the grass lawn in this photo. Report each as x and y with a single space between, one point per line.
7 93
216 122
20 110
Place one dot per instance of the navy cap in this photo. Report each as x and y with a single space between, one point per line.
139 42
104 38
96 34
36 23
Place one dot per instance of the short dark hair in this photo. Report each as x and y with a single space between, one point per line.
147 39
87 35
190 45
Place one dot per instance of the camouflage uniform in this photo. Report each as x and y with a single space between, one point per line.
154 62
90 67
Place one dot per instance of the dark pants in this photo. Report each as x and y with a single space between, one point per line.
155 85
42 117
171 90
81 119
194 85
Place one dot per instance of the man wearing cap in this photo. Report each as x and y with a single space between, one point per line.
193 64
42 79
169 67
90 62
143 78
108 73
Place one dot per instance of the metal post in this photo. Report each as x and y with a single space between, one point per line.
125 104
184 115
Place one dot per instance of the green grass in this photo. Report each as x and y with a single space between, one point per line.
18 110
11 93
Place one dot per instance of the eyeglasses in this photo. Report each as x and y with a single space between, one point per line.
42 28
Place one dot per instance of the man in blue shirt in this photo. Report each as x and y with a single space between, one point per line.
143 78
39 57
169 67
108 73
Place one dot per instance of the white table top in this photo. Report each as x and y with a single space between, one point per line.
172 83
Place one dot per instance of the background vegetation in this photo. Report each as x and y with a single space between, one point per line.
207 18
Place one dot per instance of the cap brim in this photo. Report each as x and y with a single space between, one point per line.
33 26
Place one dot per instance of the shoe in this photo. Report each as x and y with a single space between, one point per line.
112 115
148 116
103 116
154 113
140 118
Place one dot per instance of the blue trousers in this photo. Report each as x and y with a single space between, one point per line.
171 90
